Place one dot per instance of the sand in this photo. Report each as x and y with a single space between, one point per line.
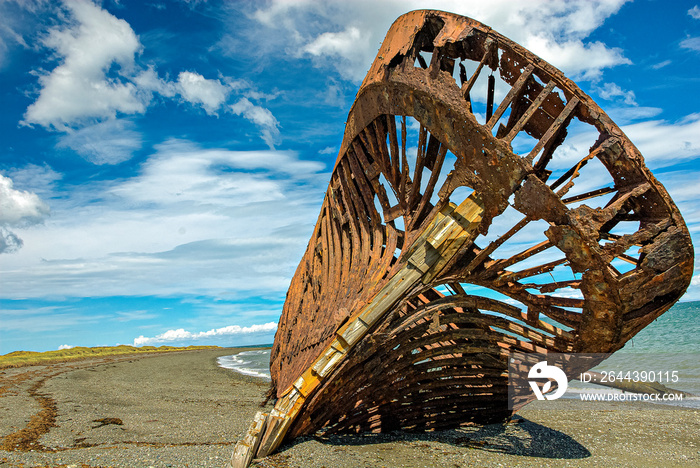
182 410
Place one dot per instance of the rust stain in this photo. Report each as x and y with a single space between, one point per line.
382 328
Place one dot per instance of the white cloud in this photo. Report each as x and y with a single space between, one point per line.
80 88
196 89
694 12
346 35
99 80
180 335
661 65
192 221
662 143
260 116
110 142
610 91
692 43
18 208
65 346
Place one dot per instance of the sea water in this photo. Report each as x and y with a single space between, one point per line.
255 363
670 343
669 347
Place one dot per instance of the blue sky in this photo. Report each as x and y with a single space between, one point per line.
163 162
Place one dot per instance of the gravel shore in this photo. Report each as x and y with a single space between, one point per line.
182 410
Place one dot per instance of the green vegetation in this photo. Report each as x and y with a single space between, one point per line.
30 358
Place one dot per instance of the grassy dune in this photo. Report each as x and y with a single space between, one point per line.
30 358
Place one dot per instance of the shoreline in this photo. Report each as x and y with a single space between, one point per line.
182 409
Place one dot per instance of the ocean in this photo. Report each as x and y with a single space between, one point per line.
255 363
670 347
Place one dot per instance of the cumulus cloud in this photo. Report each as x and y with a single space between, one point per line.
610 91
181 335
99 80
81 87
18 208
260 116
196 89
347 34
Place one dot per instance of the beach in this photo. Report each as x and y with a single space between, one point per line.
182 410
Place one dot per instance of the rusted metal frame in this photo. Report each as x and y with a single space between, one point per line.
530 111
511 276
477 380
418 170
522 331
646 210
517 88
511 343
483 255
447 302
348 186
411 419
370 137
628 259
376 227
476 336
573 172
589 195
344 243
288 406
554 128
393 149
405 182
524 255
430 187
624 194
551 287
437 406
472 79
334 267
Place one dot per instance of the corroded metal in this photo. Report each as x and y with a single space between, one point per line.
453 233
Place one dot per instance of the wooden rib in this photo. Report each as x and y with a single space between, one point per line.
530 111
553 129
514 91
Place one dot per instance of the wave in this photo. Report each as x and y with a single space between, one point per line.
253 363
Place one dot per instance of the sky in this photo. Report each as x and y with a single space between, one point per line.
162 163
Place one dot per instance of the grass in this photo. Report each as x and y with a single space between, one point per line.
30 358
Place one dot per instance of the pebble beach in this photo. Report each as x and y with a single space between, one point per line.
182 410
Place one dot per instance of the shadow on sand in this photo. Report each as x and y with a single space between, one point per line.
519 437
